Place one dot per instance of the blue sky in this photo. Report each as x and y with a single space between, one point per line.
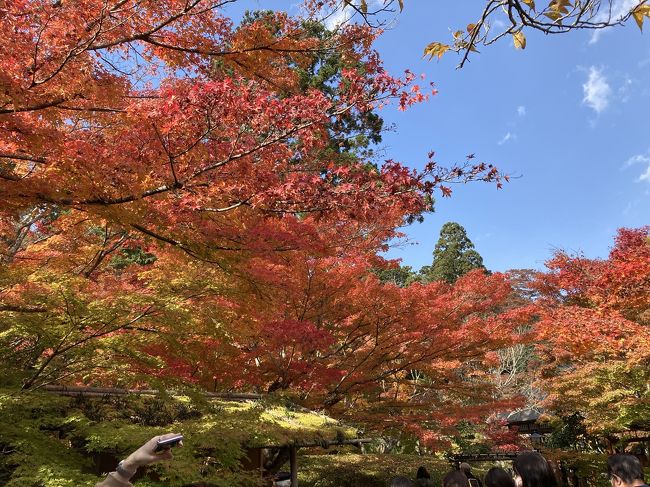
570 115
566 114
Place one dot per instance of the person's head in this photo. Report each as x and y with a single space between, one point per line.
532 470
498 477
465 468
422 473
455 479
624 470
401 481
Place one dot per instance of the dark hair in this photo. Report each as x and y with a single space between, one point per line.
625 467
401 481
497 477
422 473
455 478
534 470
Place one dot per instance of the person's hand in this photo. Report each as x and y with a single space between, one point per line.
146 454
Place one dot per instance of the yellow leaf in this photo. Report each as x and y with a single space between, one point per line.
519 39
560 6
435 49
530 3
363 5
554 16
470 28
639 12
458 34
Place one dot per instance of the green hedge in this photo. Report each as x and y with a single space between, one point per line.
47 440
354 470
53 441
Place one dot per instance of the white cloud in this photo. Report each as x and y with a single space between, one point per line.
507 137
596 90
640 159
619 9
521 110
625 90
339 16
646 175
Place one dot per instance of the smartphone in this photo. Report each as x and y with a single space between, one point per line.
168 443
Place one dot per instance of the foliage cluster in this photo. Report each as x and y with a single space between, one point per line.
594 335
376 470
370 470
180 193
592 467
453 256
184 200
52 441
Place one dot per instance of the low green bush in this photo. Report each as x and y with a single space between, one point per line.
355 470
53 441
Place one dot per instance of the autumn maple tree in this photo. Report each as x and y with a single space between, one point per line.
594 335
176 199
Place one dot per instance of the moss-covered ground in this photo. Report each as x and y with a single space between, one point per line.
48 440
354 470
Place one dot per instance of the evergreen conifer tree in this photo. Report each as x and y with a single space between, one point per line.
453 256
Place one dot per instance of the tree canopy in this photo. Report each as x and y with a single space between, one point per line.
194 203
594 334
175 199
453 256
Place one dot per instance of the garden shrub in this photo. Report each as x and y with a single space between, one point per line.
54 441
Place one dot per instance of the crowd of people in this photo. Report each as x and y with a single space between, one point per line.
529 469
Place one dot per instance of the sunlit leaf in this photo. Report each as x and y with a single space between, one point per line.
530 3
435 49
519 39
363 5
639 13
560 6
553 15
